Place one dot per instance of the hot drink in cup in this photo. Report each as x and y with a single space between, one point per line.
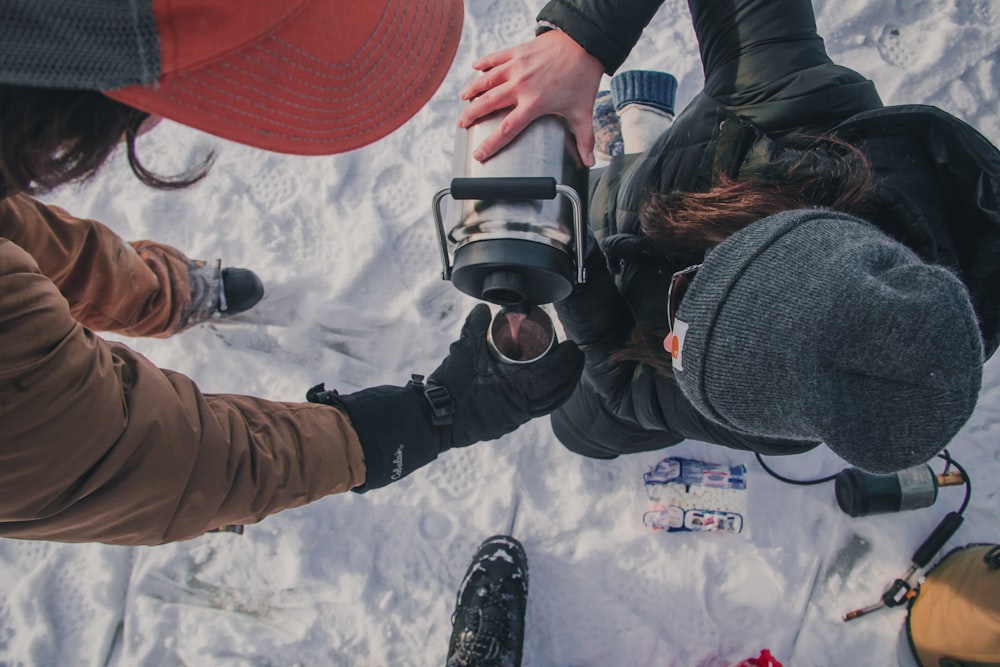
520 334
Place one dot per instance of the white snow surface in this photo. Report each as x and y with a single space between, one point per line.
347 249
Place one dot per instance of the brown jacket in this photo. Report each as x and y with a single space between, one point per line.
96 442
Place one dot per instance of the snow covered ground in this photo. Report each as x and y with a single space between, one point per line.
347 249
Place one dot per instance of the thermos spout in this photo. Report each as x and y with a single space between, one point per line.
503 287
516 223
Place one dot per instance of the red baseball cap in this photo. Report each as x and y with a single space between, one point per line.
307 77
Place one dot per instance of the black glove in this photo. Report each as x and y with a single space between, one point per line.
595 312
599 319
471 397
492 398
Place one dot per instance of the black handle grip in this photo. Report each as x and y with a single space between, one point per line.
949 524
514 187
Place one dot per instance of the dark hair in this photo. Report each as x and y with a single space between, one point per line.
49 137
808 172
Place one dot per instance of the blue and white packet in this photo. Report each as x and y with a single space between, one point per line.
690 495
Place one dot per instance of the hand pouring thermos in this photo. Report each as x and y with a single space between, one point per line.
515 228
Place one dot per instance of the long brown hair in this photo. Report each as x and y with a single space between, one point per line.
809 172
49 137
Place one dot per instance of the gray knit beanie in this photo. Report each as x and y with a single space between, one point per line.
815 326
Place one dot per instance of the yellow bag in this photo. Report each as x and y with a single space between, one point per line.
954 620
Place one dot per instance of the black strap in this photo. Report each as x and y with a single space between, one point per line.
320 394
442 407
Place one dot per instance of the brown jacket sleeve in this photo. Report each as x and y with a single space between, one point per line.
134 289
98 444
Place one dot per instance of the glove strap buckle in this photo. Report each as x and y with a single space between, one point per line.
320 394
442 407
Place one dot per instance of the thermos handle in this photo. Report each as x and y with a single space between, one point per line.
509 188
439 226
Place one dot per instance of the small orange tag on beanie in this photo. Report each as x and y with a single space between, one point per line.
670 345
673 344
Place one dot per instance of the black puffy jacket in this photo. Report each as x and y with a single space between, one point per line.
767 75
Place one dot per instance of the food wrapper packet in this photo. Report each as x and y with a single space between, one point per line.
689 495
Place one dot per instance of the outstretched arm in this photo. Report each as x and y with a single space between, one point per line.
558 72
98 444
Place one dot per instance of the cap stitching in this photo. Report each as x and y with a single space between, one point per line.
249 114
183 92
362 104
186 84
263 64
383 35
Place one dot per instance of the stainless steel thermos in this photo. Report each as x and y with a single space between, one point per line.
515 226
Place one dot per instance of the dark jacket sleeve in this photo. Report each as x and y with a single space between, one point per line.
763 60
606 29
746 44
586 425
737 38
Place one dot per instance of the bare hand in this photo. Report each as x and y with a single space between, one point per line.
550 74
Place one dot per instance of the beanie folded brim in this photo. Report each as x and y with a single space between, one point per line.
815 326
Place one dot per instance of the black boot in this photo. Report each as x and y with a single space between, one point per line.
241 290
488 623
218 292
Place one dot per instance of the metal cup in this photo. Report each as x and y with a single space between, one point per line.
520 334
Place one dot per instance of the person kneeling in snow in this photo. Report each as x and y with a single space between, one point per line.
97 443
788 262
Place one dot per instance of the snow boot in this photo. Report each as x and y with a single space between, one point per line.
488 623
241 290
218 292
